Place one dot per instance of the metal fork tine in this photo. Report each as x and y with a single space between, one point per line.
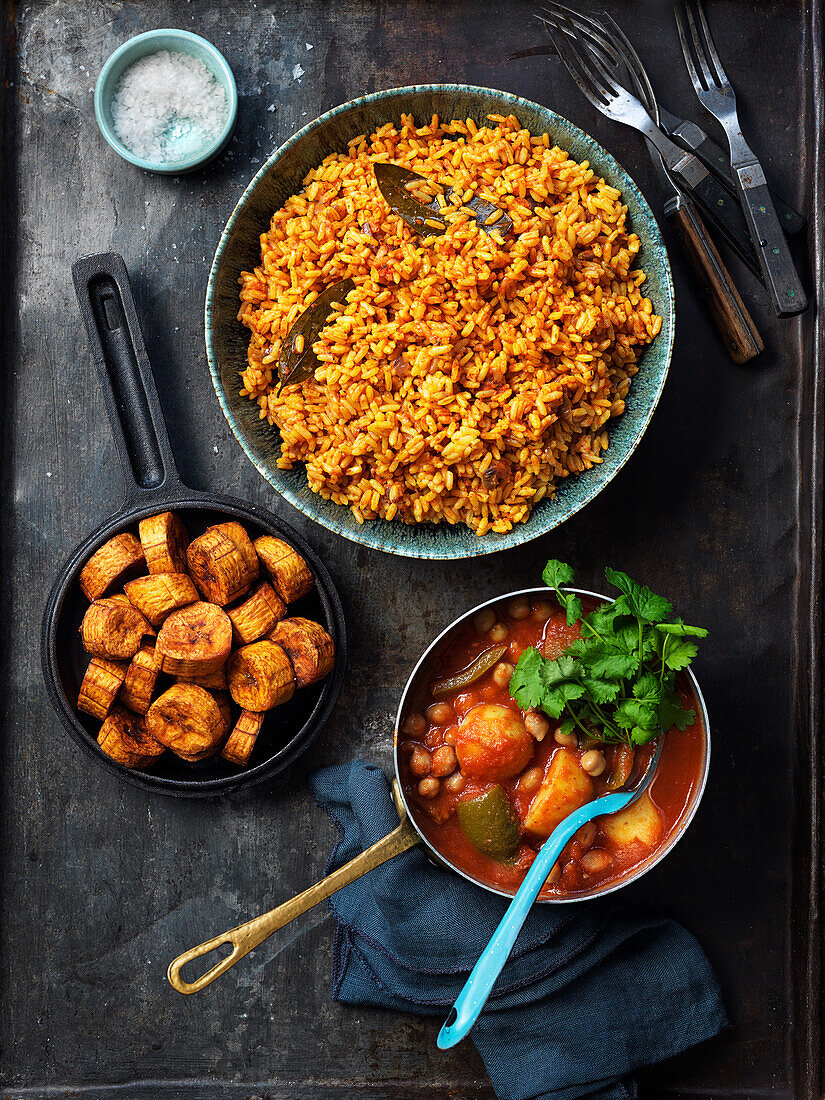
634 63
720 72
596 42
594 58
621 60
691 68
699 47
566 51
589 56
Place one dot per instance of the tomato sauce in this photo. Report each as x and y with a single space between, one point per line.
431 732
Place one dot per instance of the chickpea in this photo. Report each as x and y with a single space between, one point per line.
499 632
542 611
439 713
531 779
414 725
596 861
536 725
484 620
502 673
568 740
555 873
420 762
449 737
429 787
406 747
518 608
455 782
444 761
586 834
593 762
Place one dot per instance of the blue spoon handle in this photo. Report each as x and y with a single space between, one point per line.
477 988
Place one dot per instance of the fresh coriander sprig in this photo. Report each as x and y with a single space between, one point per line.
617 681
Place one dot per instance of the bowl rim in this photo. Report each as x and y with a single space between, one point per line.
209 151
490 543
642 868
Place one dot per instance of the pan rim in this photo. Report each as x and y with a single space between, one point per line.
642 869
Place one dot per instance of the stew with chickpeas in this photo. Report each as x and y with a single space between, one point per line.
487 780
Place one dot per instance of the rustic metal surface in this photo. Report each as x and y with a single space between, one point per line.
103 884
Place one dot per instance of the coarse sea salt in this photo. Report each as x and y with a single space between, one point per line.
167 107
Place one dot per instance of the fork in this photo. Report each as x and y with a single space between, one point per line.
687 133
714 91
729 313
605 91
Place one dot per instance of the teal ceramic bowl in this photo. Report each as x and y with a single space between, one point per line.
142 45
239 250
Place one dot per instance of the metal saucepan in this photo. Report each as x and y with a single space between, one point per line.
154 485
247 936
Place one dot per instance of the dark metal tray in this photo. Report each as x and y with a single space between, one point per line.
101 884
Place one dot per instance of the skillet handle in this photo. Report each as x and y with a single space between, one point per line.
104 295
247 936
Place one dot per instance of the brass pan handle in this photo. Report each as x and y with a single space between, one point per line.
248 936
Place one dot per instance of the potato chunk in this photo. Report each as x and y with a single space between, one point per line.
565 788
492 743
638 824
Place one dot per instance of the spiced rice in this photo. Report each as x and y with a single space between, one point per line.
466 373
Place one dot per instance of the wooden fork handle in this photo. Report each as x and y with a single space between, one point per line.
729 312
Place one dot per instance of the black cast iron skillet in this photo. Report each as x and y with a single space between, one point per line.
154 485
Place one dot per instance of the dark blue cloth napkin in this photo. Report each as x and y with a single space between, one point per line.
591 993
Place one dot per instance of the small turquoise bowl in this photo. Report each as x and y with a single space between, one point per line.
240 250
153 42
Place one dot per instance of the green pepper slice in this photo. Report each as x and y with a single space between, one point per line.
490 824
622 768
483 663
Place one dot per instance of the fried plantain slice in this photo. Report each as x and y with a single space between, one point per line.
159 594
141 676
125 738
260 676
290 574
223 563
100 686
257 615
188 720
113 629
195 640
115 561
212 681
164 541
241 741
308 646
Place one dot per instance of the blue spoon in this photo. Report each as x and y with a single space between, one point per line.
473 997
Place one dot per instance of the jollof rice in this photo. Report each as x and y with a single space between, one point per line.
465 374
